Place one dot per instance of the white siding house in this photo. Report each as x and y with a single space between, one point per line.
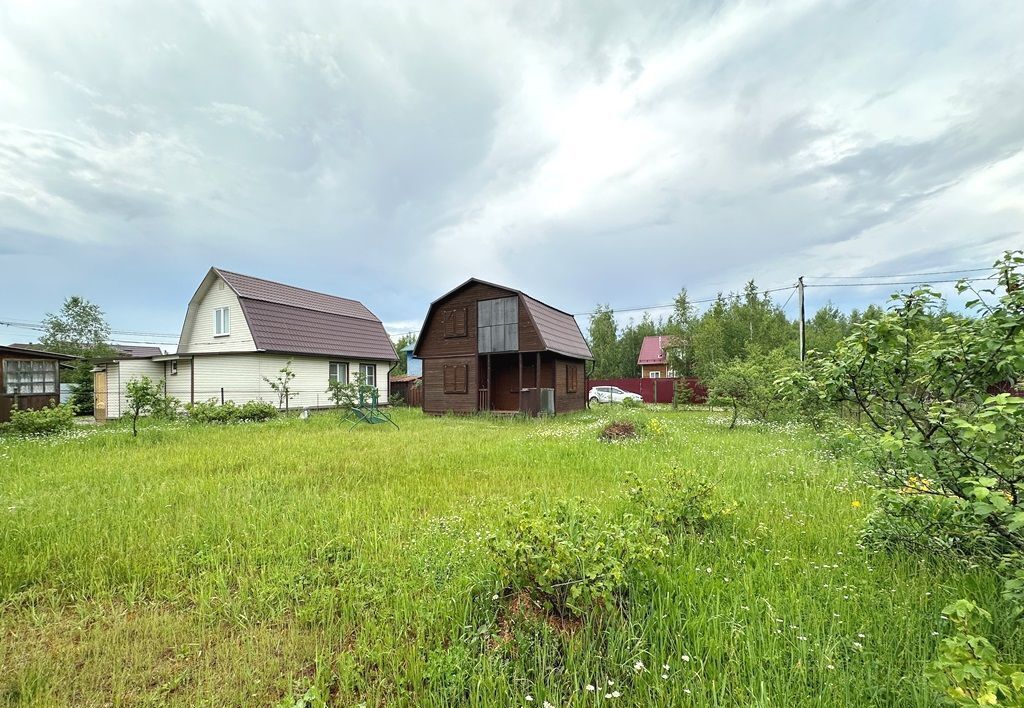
240 330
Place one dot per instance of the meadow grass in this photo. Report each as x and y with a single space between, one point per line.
300 562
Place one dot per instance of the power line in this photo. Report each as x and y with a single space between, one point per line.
898 275
902 282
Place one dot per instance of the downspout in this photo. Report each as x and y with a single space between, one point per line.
388 381
192 379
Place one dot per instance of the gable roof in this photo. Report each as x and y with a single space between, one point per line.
558 330
16 349
291 320
138 352
652 350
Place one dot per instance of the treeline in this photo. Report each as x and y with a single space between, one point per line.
733 326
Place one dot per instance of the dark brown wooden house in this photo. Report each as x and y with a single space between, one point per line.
29 379
486 347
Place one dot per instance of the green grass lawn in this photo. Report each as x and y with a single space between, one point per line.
259 563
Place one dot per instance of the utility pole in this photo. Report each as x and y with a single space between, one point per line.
803 330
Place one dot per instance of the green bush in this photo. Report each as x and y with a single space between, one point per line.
257 411
45 421
229 412
570 559
968 671
573 560
675 504
631 403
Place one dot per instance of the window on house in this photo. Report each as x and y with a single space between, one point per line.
338 371
570 378
455 322
654 374
221 322
173 369
497 324
456 378
369 372
25 377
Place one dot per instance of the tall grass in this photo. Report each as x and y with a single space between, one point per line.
300 561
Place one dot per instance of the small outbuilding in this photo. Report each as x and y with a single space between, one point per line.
29 379
488 347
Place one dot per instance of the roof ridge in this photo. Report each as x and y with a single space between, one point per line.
373 318
287 285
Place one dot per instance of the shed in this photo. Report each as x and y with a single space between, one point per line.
29 379
488 347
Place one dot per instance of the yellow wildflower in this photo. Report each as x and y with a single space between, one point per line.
856 504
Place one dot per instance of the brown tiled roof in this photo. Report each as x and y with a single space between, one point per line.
405 378
269 291
281 328
559 331
291 320
138 352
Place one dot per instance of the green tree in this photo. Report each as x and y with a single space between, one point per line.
281 385
403 365
603 334
826 329
142 396
679 328
81 329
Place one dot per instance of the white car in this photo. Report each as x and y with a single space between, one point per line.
612 394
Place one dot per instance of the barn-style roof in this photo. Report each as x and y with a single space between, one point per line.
291 320
558 330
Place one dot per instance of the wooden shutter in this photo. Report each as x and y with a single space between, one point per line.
570 378
455 322
456 378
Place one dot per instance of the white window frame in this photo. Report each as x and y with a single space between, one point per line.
174 368
334 367
654 374
366 379
222 322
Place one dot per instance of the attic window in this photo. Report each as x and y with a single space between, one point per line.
456 378
455 322
221 322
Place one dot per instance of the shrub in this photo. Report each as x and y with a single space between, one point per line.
230 412
748 386
256 411
913 519
631 403
675 504
570 559
45 421
926 381
142 396
968 670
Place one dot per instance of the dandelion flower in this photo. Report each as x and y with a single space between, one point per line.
855 504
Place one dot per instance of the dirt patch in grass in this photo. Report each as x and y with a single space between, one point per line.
619 430
522 608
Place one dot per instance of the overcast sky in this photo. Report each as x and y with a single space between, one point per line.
583 152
